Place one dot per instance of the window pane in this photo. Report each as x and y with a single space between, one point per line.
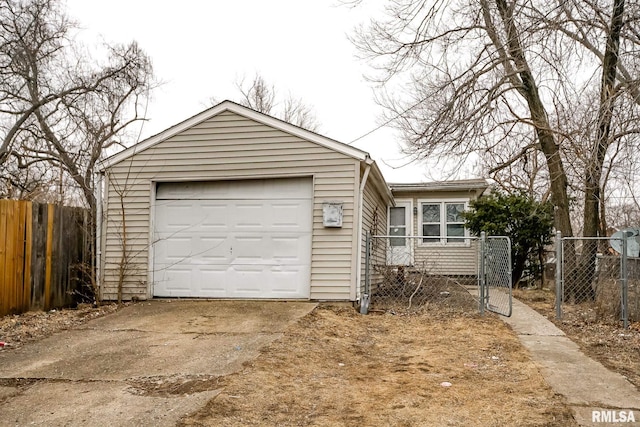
397 242
431 230
397 231
397 216
455 230
430 212
454 211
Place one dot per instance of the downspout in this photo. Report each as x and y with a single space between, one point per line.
99 236
363 183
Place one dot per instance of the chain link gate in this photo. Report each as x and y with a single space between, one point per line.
411 272
494 276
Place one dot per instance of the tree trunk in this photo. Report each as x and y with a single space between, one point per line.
542 266
519 263
539 117
593 176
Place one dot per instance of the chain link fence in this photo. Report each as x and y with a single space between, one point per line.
599 275
409 273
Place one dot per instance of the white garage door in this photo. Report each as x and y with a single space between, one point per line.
233 239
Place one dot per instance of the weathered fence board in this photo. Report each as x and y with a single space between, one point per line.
43 249
14 289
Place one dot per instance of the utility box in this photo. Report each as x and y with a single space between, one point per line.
332 214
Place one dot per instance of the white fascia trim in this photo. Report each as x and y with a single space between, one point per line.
363 184
243 111
383 187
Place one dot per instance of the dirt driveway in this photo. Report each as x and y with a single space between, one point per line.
151 363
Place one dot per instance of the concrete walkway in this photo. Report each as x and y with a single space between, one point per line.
586 384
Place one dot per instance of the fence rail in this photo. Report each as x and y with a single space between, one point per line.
44 249
411 272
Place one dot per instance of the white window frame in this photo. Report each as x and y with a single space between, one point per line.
443 222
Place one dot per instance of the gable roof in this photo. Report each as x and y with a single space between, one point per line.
242 111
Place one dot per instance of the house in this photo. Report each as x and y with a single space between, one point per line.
232 203
431 212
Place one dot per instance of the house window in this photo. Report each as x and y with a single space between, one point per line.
431 222
454 221
442 222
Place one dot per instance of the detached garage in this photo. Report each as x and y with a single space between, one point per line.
232 203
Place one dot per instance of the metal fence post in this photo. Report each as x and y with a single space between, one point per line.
559 276
481 273
366 295
510 275
624 297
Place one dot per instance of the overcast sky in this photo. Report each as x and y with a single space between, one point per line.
200 49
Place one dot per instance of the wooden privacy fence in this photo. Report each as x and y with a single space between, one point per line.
44 251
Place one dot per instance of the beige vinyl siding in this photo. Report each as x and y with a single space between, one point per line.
374 220
226 147
448 260
451 259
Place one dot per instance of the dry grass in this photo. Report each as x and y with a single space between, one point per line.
596 333
336 367
19 329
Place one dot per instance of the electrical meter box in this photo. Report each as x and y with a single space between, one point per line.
332 214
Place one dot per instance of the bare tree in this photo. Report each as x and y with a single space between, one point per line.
58 105
263 97
511 81
62 109
257 95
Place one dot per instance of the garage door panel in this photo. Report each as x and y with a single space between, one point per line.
245 281
253 242
292 216
216 216
213 281
213 249
177 280
192 250
271 249
178 248
177 216
248 216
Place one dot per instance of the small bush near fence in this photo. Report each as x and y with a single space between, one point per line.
44 251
